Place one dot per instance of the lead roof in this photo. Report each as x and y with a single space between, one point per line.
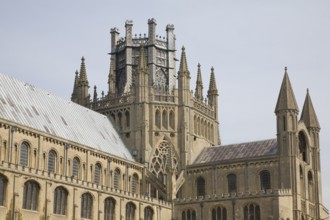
33 107
237 151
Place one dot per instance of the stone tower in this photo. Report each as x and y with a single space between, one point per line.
164 126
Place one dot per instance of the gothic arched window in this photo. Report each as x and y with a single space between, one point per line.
52 161
157 119
116 179
127 116
86 206
75 167
148 213
109 209
200 182
97 173
219 213
31 195
302 146
60 200
171 120
189 214
252 212
164 119
3 187
310 186
265 181
232 185
24 154
135 180
130 211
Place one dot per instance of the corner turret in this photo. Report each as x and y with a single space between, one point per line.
308 115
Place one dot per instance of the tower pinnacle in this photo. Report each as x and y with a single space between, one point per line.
199 84
286 99
183 70
308 114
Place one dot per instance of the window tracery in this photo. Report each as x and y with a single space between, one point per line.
162 159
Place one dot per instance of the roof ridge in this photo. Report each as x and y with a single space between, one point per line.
248 142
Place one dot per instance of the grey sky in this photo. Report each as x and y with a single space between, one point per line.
248 42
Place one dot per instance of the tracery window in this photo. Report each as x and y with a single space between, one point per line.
3 187
148 213
116 179
135 180
252 212
163 157
232 185
60 200
75 167
302 146
109 209
200 182
130 211
189 214
86 206
219 213
97 173
24 154
52 161
31 195
265 181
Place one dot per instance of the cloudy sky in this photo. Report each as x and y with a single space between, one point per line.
248 42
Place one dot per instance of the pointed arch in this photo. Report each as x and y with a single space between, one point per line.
195 125
109 208
148 213
130 211
3 189
172 120
60 201
86 206
310 186
251 212
302 146
76 167
116 179
157 118
120 120
31 195
164 119
219 213
127 119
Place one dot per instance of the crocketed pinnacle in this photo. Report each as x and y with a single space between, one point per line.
95 94
308 114
75 86
83 73
183 70
199 84
286 99
142 61
213 85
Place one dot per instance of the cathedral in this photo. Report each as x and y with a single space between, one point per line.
149 148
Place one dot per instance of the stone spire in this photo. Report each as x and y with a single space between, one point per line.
183 70
213 86
199 84
308 114
75 87
286 99
83 74
112 78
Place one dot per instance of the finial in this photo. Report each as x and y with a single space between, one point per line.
286 69
82 59
199 65
77 72
212 69
183 49
307 90
95 87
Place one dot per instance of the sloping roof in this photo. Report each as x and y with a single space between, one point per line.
33 107
237 151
